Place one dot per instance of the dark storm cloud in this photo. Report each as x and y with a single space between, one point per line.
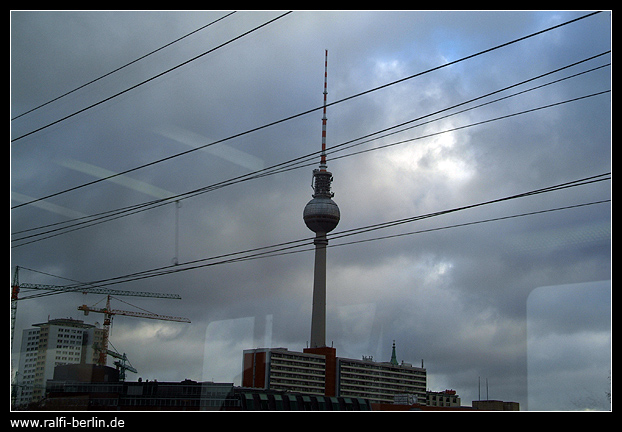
456 298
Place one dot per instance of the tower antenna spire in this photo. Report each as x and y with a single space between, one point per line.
321 215
323 157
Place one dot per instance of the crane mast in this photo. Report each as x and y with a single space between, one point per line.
123 364
16 287
109 313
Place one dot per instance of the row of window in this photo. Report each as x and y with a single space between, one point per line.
372 368
383 375
300 370
376 393
297 360
383 380
297 365
406 388
165 402
70 402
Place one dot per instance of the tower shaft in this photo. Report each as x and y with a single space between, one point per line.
318 317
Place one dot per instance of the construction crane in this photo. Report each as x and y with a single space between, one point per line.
16 286
109 313
123 364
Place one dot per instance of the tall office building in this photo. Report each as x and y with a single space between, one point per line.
50 344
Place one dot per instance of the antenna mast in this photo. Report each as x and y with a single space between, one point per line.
323 157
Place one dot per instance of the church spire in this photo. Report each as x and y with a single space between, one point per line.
393 356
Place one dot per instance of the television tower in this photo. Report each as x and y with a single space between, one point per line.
321 215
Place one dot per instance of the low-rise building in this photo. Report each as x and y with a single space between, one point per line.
495 405
447 398
139 395
318 371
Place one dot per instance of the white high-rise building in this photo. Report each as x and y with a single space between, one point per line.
47 345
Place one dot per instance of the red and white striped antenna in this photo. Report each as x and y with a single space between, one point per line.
323 157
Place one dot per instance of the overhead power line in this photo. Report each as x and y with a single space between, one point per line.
62 227
288 247
287 250
561 186
111 215
299 114
151 79
122 67
496 219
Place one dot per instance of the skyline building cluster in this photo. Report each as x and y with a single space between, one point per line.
57 353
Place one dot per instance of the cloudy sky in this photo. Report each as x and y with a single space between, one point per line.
102 120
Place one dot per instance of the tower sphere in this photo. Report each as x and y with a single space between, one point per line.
321 214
